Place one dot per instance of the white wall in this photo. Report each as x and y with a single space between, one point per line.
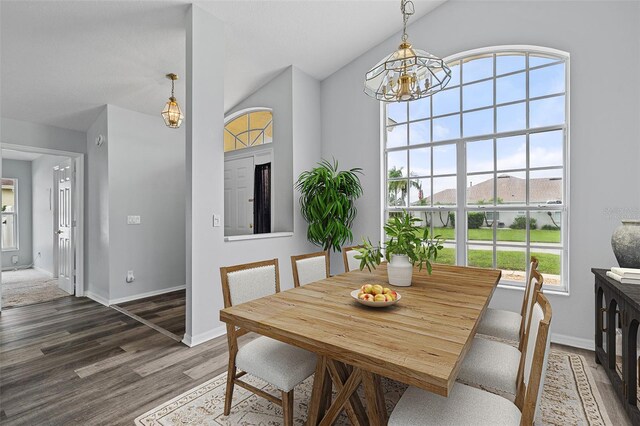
43 209
97 196
42 136
604 125
146 168
277 95
206 249
21 170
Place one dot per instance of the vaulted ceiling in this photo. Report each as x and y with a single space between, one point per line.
62 60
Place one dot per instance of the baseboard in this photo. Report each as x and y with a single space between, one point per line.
203 337
97 298
15 267
145 295
575 342
44 271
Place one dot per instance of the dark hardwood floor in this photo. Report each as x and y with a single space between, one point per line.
73 361
166 311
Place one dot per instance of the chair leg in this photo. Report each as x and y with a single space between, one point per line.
287 407
228 396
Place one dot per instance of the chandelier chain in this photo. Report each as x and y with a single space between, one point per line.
407 8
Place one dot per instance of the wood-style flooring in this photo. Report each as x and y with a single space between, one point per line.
72 361
166 311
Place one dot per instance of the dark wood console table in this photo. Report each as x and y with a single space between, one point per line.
617 311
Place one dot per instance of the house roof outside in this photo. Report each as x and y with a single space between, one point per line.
510 190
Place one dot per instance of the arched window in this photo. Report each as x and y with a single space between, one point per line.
484 162
250 128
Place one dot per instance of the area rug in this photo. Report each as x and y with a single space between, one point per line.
570 397
28 286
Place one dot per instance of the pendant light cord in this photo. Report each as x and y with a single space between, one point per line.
407 8
172 87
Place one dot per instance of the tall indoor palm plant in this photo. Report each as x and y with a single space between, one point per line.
327 203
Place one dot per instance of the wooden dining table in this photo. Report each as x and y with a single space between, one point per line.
420 341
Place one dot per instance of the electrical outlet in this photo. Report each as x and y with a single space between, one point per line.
130 277
133 220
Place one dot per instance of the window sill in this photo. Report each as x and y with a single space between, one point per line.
7 250
545 290
257 236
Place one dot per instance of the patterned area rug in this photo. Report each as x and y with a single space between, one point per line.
28 286
570 397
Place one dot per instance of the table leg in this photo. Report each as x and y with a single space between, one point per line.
321 382
374 394
340 374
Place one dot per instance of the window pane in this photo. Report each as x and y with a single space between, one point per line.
8 231
545 149
455 73
546 112
545 187
419 109
420 192
477 69
511 117
447 256
446 128
548 225
420 132
396 136
444 191
512 152
506 63
550 265
396 112
444 160
8 195
480 189
420 161
477 95
513 263
511 227
446 101
537 60
397 193
480 256
511 88
480 156
397 164
478 122
546 81
512 188
444 224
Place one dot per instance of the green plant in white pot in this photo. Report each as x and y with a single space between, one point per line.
407 245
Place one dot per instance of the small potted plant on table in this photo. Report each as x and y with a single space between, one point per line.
407 245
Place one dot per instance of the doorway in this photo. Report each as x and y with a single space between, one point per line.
42 213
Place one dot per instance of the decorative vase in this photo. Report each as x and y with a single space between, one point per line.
400 271
625 242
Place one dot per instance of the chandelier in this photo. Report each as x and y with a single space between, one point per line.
408 73
171 113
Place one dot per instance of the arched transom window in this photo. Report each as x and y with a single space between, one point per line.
251 128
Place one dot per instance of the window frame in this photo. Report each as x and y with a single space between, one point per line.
14 213
247 111
461 208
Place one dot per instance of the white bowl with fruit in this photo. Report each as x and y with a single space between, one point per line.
376 296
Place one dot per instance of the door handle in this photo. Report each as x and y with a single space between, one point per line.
250 225
59 232
251 200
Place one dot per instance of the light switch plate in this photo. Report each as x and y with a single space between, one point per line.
216 220
133 220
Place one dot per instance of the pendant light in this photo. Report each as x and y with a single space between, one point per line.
408 73
171 113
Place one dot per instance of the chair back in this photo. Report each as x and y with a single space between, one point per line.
529 294
249 281
349 254
533 361
308 268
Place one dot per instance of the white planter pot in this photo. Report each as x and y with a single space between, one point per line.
400 271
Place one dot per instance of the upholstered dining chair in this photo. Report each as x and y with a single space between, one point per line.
277 363
509 325
467 405
349 254
310 267
495 366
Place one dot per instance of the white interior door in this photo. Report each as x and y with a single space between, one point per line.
64 231
238 196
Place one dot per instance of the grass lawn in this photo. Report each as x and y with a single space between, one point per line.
505 234
509 260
